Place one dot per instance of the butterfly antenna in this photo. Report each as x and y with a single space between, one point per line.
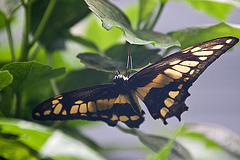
129 60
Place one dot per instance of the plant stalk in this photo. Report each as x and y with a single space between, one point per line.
158 15
25 45
10 39
43 22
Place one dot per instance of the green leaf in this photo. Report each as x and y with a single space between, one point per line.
165 147
194 35
28 135
15 150
5 79
25 73
100 36
214 136
221 8
115 58
65 14
7 7
35 137
82 41
141 55
112 16
84 78
98 62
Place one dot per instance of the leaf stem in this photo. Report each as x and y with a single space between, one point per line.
43 22
129 131
52 81
25 45
10 39
158 15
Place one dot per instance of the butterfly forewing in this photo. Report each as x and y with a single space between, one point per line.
103 102
163 86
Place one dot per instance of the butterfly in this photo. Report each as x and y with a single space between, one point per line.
162 86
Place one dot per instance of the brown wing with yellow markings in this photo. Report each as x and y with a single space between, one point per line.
163 86
103 102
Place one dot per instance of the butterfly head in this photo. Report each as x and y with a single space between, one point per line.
119 78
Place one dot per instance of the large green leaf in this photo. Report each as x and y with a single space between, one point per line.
194 35
84 78
165 147
141 55
25 73
25 140
112 16
214 136
64 15
98 62
216 8
21 140
100 36
115 58
5 79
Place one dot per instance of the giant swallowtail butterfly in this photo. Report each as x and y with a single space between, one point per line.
162 86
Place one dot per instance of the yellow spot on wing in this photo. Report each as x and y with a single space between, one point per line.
192 71
114 118
104 116
110 103
92 107
47 112
173 94
168 102
180 86
58 108
64 113
142 92
173 74
123 118
162 79
217 47
182 69
79 102
83 108
189 63
202 58
74 109
203 53
229 41
102 104
185 79
187 49
55 101
121 99
164 111
134 118
37 114
174 62
57 96
196 49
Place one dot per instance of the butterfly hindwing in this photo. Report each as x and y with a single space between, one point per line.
103 102
163 86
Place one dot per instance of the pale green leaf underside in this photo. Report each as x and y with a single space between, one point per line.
111 16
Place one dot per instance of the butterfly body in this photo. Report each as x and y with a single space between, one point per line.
162 86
